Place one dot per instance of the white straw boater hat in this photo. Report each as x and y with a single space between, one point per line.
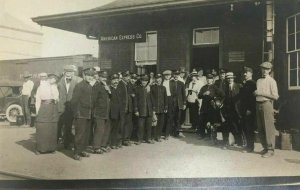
230 75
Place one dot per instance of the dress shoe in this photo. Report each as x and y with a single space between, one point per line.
77 157
126 143
150 142
120 146
85 154
137 143
247 150
264 151
98 151
268 154
114 147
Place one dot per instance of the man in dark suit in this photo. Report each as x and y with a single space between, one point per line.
116 112
66 87
82 107
160 105
221 83
248 108
101 112
208 93
179 101
143 108
126 101
231 104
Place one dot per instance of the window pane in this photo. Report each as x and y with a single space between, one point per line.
293 60
291 25
152 39
206 36
298 40
293 77
291 42
298 23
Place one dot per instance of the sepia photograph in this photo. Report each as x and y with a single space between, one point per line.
150 94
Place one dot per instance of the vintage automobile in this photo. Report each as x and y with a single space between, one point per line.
10 100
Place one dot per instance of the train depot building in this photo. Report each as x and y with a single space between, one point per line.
155 35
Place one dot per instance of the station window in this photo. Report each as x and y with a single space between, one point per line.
146 52
206 36
293 51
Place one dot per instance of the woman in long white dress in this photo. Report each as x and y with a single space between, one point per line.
47 115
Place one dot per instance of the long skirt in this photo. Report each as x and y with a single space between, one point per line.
46 136
46 128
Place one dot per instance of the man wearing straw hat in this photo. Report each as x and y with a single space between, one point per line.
26 92
266 93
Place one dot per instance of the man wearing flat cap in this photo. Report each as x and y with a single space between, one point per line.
247 108
116 111
126 119
101 110
208 93
66 87
160 106
221 83
82 107
266 94
26 92
143 109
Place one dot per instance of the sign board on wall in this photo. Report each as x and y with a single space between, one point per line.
105 64
129 37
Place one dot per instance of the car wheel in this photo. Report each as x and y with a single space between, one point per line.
12 112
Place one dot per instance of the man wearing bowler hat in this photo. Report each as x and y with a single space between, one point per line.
266 93
247 108
26 92
66 87
82 107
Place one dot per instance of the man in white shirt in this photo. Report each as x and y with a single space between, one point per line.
265 94
26 92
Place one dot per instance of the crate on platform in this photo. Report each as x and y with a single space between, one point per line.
286 140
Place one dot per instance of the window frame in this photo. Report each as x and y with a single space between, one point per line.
153 62
295 50
205 28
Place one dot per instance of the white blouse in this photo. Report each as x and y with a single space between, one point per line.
46 91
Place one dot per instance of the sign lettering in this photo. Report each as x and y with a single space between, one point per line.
134 37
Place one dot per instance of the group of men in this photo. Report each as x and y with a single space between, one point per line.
110 112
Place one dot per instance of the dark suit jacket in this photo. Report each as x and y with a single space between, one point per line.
231 98
215 92
221 84
82 100
159 98
177 90
122 86
116 108
101 98
64 96
246 97
143 103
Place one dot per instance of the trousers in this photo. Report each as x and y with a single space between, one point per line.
265 124
82 132
144 125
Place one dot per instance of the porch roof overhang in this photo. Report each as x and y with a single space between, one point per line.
81 22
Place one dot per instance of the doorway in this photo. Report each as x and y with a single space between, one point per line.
205 57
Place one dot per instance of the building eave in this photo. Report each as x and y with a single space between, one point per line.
67 21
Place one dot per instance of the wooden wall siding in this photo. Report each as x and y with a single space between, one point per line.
172 49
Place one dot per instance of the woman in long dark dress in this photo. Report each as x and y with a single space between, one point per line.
47 115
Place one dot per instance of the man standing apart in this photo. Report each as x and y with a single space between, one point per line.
66 87
26 92
82 104
265 94
247 100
